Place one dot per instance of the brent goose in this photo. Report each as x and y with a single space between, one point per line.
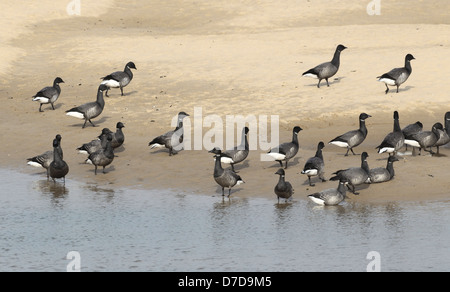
354 175
330 197
328 69
426 139
444 134
238 153
394 140
58 167
95 145
173 139
226 178
102 157
397 76
118 136
353 138
383 174
286 151
283 189
49 94
119 79
89 110
315 166
45 158
411 130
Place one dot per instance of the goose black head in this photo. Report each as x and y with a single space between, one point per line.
364 116
246 130
364 156
296 129
392 159
58 80
105 132
396 116
447 116
340 48
120 125
58 137
182 115
280 172
409 57
321 145
131 65
216 151
102 87
438 126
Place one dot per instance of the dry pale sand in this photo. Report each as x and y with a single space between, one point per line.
229 58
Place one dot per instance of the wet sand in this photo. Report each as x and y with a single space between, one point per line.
229 59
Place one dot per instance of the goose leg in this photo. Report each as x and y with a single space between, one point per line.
95 171
40 108
348 149
232 168
106 93
121 90
92 123
351 149
318 84
104 169
387 89
229 192
310 184
52 106
328 84
223 191
287 160
398 87
84 125
281 163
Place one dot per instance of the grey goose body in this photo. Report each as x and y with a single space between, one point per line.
286 151
426 139
49 94
383 174
444 134
238 153
89 110
172 140
328 69
118 137
119 79
95 145
397 76
315 166
410 130
43 160
353 138
355 175
102 157
394 140
283 189
226 178
330 197
58 168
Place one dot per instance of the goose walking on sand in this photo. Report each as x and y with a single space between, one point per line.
119 79
355 175
173 140
315 166
238 153
330 197
102 157
89 110
283 189
394 140
383 174
328 69
353 138
43 160
49 94
226 178
58 167
285 151
397 76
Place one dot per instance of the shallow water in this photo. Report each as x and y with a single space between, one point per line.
141 230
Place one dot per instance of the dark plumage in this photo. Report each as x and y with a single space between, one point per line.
283 189
315 166
353 138
397 76
49 94
58 167
118 136
287 150
410 130
89 110
328 69
426 139
330 197
173 140
238 153
444 133
95 145
394 140
102 157
226 178
119 79
46 158
383 174
355 175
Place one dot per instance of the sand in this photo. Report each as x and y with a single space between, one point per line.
231 58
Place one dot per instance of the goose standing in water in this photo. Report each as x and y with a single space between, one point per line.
426 139
383 174
283 189
119 79
102 157
355 175
330 197
58 167
287 150
49 94
89 110
238 153
328 69
226 178
394 140
45 158
353 138
315 166
397 76
173 140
